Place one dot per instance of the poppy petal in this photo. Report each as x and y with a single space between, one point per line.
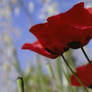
84 73
90 10
77 16
49 37
38 48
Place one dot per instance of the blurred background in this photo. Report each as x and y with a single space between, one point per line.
40 73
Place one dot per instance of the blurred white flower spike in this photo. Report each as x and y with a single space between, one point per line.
49 9
17 11
31 7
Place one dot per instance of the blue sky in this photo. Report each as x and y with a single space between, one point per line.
23 23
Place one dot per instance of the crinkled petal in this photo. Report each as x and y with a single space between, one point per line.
49 37
77 16
38 48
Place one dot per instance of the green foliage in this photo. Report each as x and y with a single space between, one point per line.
56 80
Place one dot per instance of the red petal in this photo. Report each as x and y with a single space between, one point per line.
77 16
88 33
38 48
85 74
49 37
90 10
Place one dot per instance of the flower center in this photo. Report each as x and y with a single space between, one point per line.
74 45
56 51
90 86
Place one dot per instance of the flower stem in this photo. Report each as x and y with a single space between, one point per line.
20 84
86 55
74 73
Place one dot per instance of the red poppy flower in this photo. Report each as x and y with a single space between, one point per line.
72 29
85 75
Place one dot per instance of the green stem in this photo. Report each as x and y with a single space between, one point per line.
20 84
86 55
74 74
